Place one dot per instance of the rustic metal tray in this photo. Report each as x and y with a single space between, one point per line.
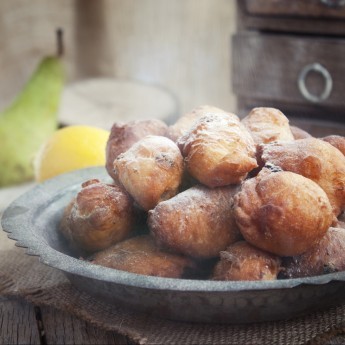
32 221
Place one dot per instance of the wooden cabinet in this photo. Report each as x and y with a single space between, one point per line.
290 55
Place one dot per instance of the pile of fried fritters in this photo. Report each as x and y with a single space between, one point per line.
214 197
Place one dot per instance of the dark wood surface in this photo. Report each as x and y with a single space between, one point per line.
301 8
23 323
292 23
18 323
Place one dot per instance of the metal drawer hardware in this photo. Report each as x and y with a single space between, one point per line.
333 3
315 67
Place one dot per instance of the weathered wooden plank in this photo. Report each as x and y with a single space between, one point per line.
302 8
63 328
17 322
290 24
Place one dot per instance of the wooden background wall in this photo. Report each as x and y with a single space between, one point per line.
181 45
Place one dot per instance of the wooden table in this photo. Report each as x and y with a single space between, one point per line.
24 323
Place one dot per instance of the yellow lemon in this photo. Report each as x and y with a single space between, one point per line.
71 148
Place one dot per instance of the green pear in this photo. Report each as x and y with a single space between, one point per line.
29 121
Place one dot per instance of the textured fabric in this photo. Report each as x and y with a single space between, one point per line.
24 276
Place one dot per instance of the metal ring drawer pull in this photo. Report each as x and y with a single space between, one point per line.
333 3
315 67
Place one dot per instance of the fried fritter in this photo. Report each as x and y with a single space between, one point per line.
197 222
337 141
141 255
242 261
124 135
218 150
267 125
314 159
185 122
282 212
151 170
326 256
99 216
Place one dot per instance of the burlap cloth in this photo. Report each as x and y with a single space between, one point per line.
24 276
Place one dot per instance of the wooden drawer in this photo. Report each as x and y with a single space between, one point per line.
270 67
300 16
301 8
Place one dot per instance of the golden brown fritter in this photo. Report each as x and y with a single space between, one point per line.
141 255
218 150
242 261
197 222
185 122
314 159
124 135
282 212
299 133
326 256
267 125
99 216
337 141
151 170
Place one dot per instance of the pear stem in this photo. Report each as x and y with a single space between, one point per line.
59 42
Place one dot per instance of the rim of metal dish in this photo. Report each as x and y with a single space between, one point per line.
16 222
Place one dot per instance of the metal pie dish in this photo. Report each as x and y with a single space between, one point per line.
33 219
